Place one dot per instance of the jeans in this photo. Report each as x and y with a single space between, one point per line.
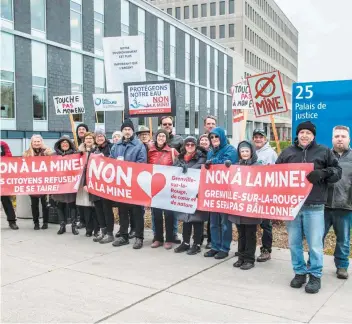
125 212
309 223
197 232
340 220
221 232
159 224
35 208
8 208
247 242
267 238
175 225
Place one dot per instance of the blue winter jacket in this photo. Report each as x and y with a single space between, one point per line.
133 151
224 152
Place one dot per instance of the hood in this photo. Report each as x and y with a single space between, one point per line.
221 133
57 148
254 156
5 149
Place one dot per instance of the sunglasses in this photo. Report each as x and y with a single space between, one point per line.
214 136
167 124
190 144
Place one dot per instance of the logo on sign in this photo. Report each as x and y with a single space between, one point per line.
103 101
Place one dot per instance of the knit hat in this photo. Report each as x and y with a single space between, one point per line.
244 144
190 139
162 131
82 125
306 125
116 133
127 123
100 131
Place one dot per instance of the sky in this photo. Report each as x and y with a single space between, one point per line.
325 38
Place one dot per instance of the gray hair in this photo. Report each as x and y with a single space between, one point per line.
36 136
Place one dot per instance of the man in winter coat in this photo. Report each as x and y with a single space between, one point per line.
221 234
309 222
80 131
175 141
266 155
6 200
338 208
131 149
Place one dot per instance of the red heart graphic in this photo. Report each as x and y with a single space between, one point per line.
158 183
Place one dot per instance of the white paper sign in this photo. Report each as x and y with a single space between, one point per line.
70 104
108 101
124 61
241 96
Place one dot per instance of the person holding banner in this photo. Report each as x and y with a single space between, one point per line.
37 148
161 153
116 136
191 156
221 228
130 149
309 222
64 146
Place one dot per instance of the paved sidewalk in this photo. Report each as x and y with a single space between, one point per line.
49 278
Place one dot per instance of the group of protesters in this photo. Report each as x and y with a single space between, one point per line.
328 204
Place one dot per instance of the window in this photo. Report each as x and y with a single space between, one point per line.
188 57
7 76
38 14
196 55
231 6
212 32
222 7
196 113
98 24
204 9
208 66
161 46
125 18
213 9
76 22
169 11
216 67
222 31
172 51
6 9
187 108
77 79
186 12
178 13
231 30
195 11
39 86
187 120
232 48
99 86
141 22
204 31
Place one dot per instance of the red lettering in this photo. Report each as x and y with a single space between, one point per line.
164 99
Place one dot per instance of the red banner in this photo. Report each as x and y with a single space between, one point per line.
270 191
40 175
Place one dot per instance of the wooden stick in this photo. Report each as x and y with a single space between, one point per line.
96 117
150 126
275 134
123 115
73 128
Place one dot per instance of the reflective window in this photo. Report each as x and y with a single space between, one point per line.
231 6
161 46
222 31
204 9
195 11
76 22
222 7
213 9
196 113
212 32
187 107
186 12
141 22
98 24
208 66
99 84
231 30
172 51
125 18
196 54
178 13
77 79
6 9
216 65
169 11
38 14
204 30
188 57
7 76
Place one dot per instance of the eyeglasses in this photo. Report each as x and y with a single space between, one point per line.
167 124
214 136
190 144
90 138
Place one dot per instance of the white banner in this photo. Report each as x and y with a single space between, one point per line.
124 60
70 104
108 101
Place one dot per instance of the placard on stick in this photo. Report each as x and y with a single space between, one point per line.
70 104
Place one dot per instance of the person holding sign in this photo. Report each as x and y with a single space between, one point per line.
309 222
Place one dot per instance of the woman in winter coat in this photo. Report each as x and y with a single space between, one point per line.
37 148
84 204
191 156
161 153
63 147
246 226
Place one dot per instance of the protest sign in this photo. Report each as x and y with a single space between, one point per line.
70 104
271 191
143 99
108 102
40 175
124 61
267 93
326 104
241 96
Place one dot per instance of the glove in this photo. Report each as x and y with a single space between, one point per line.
228 163
316 176
207 164
184 168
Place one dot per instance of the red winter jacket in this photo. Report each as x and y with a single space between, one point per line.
166 156
5 149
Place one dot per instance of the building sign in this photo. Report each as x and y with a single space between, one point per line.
108 102
71 104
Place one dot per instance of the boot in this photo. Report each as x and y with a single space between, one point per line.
45 226
138 244
298 281
313 285
101 236
108 238
36 226
13 225
62 229
194 249
74 229
342 273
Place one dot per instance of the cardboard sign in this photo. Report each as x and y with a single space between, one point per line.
71 104
108 102
154 98
268 94
326 104
241 96
124 61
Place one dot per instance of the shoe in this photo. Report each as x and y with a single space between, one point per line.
89 234
108 238
36 226
238 263
247 266
138 244
120 241
74 230
221 255
168 245
13 225
118 234
211 253
264 256
194 249
182 248
98 238
45 226
342 273
81 225
208 246
132 234
62 229
298 281
313 285
156 244
176 240
237 253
